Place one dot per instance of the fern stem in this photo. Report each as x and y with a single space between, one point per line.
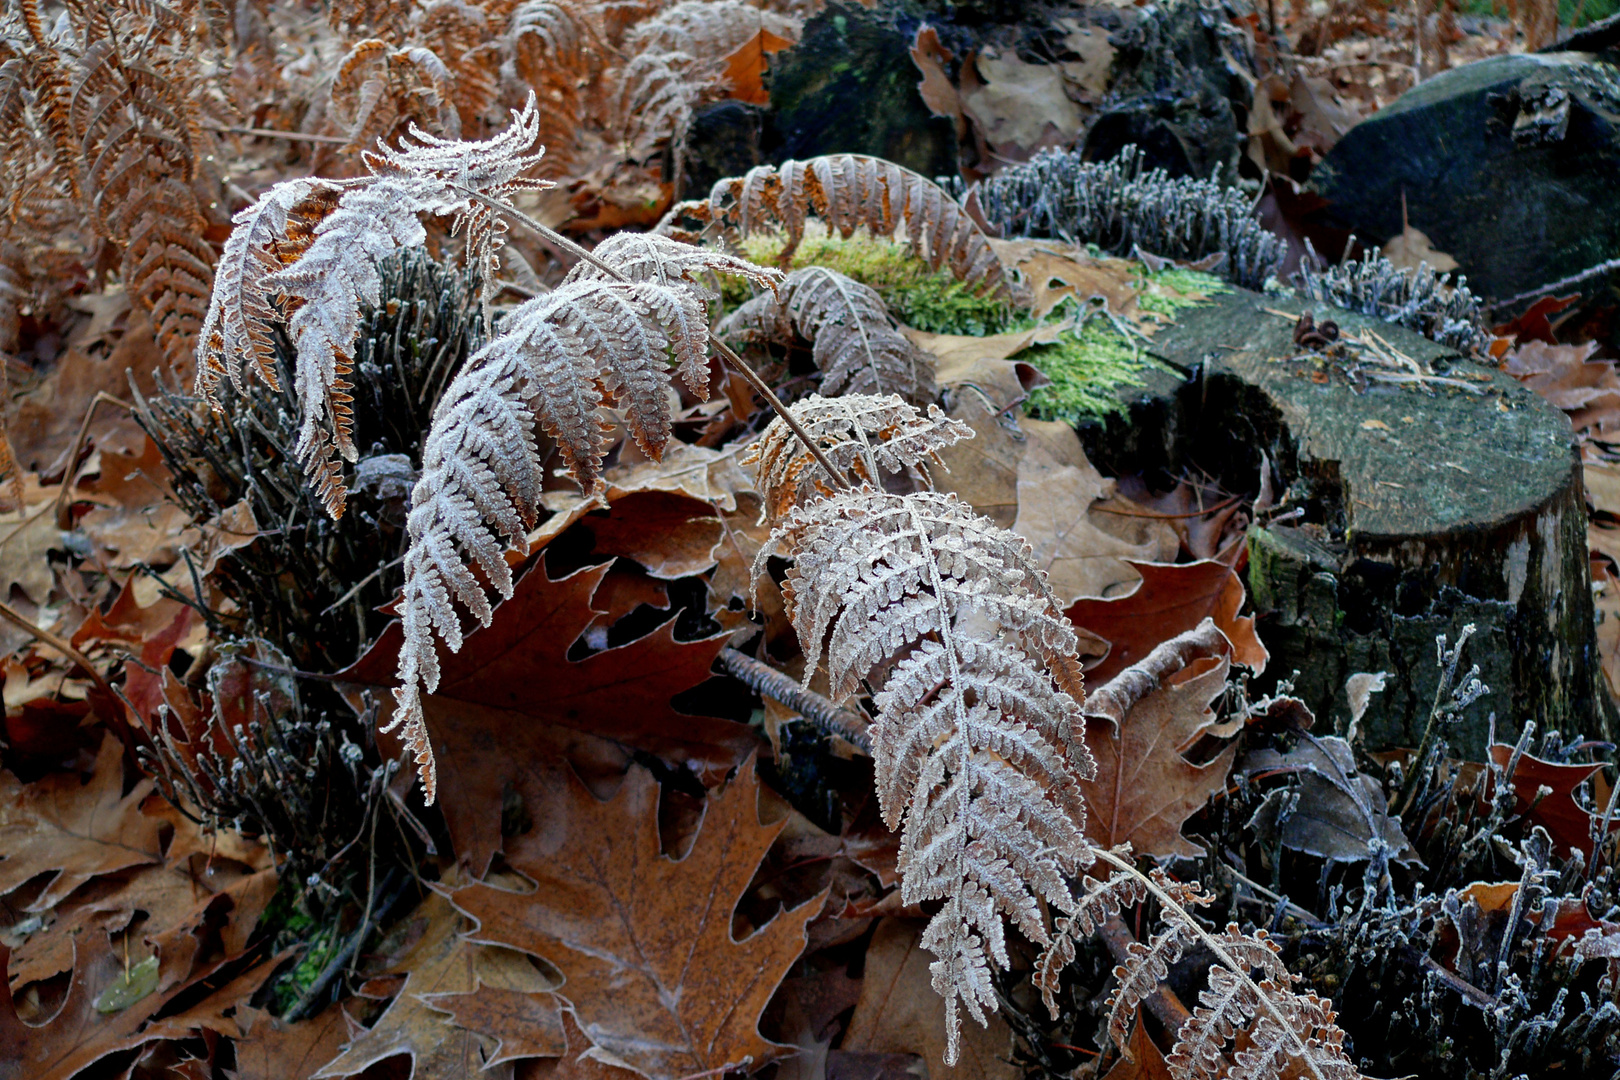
1165 900
737 363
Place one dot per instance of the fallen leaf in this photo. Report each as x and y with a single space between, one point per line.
959 354
899 1012
1571 380
136 519
1054 274
1533 324
1145 790
274 1050
1083 553
1412 249
80 1034
1569 825
1359 689
522 1023
745 68
503 697
1089 76
1145 1061
643 940
935 88
74 831
1172 599
1020 108
581 1060
1336 811
440 961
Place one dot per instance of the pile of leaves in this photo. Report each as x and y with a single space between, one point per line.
653 852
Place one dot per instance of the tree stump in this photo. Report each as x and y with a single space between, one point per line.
1421 507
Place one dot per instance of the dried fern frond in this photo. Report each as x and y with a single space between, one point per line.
979 745
381 90
872 439
712 28
595 340
1233 1033
556 50
850 191
329 268
855 342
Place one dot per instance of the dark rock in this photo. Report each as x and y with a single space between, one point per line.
1509 165
850 86
1421 509
723 140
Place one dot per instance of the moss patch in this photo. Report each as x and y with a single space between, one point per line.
1088 367
928 300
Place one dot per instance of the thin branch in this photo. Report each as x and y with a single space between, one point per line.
20 620
69 478
1163 1002
826 714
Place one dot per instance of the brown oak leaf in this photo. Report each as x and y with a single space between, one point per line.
522 1023
1145 789
1172 599
74 831
439 962
644 941
503 698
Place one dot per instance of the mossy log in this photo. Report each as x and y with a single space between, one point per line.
1418 508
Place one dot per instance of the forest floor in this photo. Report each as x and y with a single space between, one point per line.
652 852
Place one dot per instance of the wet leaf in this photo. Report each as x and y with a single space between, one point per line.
644 941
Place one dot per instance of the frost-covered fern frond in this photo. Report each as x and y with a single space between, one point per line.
875 440
1418 299
850 191
714 28
595 340
1250 1021
855 342
979 747
1120 208
323 268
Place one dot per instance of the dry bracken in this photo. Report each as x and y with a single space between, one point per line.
855 342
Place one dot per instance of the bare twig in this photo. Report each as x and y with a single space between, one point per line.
827 715
20 620
71 475
1163 1002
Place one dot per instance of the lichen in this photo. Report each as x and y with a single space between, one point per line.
928 300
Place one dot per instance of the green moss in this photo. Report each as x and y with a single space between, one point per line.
1172 289
1088 367
928 300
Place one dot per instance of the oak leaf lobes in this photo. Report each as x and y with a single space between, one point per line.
644 941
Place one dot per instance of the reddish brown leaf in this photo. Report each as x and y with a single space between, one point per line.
1144 789
1172 599
899 1012
745 68
1146 1060
1558 812
580 1061
74 831
440 961
643 940
272 1050
1534 324
498 696
79 1034
522 1024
